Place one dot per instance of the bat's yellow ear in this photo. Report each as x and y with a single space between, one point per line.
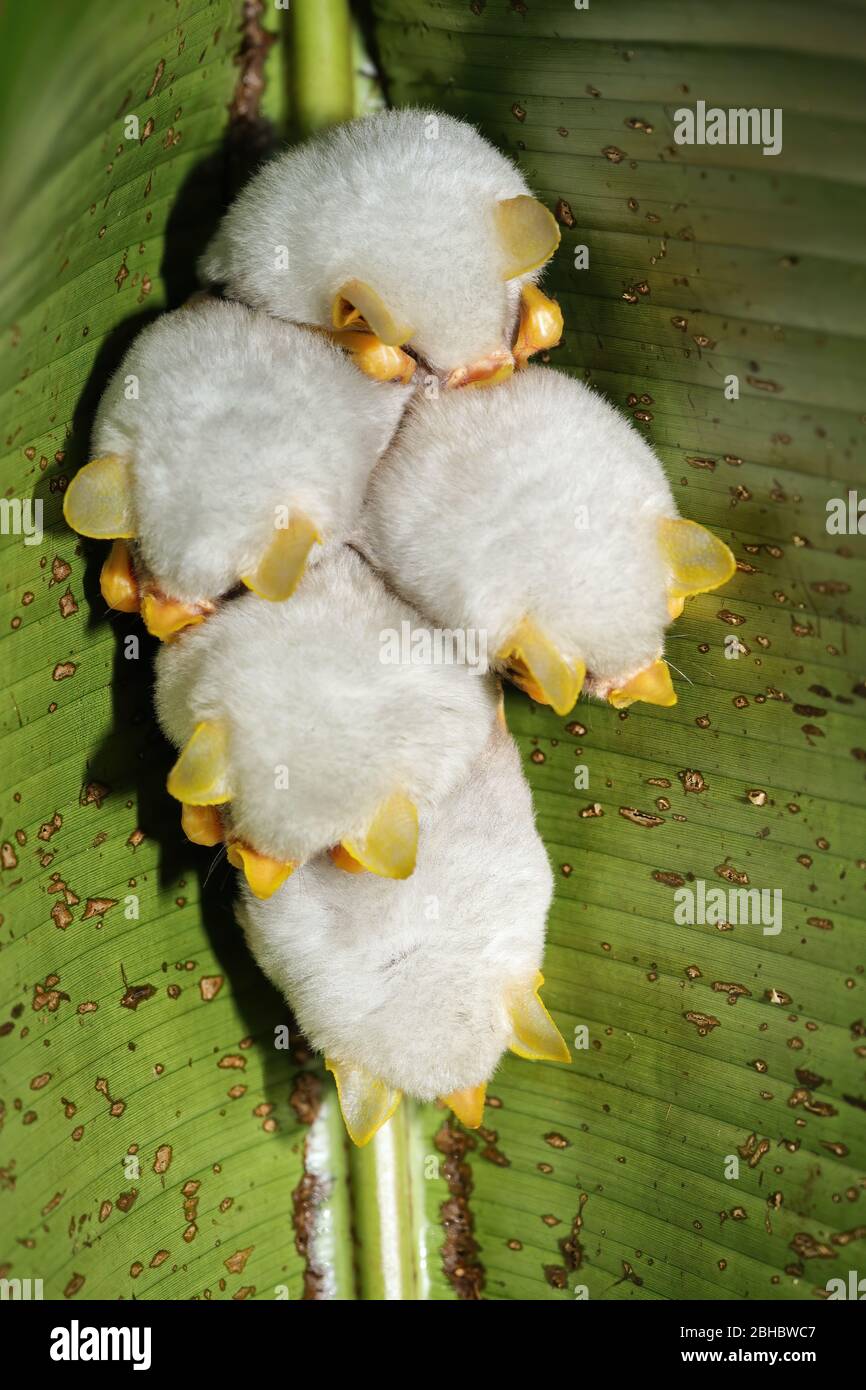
528 234
357 305
697 559
653 685
390 843
200 777
280 568
367 1104
534 1033
98 501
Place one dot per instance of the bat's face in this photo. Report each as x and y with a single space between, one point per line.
456 318
549 526
419 987
404 233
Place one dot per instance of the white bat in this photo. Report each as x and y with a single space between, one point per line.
419 987
231 448
299 735
401 229
548 524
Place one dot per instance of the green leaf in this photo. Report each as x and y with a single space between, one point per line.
703 1042
608 1172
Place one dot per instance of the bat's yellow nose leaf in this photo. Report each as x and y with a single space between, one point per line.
375 358
263 874
163 617
487 371
541 324
117 580
202 825
535 665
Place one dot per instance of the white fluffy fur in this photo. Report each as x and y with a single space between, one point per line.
471 515
301 685
377 200
238 414
375 978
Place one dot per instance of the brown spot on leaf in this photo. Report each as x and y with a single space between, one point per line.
808 1248
668 878
50 827
67 605
705 1023
157 77
306 1097
135 995
162 1161
733 991
97 907
236 1262
777 996
93 794
557 1141
45 996
732 875
460 1249
642 818
846 1237
692 780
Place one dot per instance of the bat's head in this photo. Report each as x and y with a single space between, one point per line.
419 987
406 225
